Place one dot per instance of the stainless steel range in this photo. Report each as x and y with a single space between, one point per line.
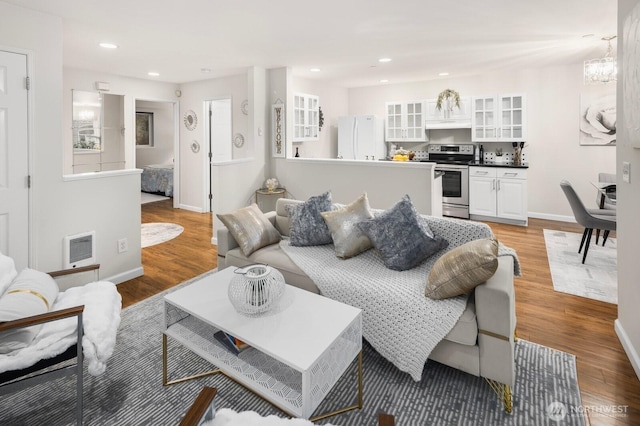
453 161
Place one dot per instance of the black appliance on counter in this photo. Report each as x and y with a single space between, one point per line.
453 161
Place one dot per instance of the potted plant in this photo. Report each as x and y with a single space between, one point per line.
450 98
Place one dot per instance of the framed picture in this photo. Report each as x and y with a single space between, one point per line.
278 140
598 117
144 129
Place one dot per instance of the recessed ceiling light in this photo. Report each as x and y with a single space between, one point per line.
108 45
442 74
384 60
153 73
315 70
384 80
205 70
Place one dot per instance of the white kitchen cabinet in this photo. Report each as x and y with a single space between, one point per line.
498 194
405 122
458 118
306 114
498 118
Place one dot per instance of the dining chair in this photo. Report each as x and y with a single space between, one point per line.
585 218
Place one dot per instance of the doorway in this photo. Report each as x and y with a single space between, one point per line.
15 210
219 130
156 149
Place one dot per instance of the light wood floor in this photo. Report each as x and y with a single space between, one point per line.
577 325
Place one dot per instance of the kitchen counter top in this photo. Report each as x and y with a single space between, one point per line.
494 164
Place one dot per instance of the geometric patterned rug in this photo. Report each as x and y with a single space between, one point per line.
158 232
130 392
596 279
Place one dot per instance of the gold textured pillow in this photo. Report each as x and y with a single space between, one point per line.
250 228
348 239
462 269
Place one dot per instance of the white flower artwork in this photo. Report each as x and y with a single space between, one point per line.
598 118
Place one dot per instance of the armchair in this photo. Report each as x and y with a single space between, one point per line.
73 327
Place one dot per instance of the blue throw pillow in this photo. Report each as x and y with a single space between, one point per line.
306 225
402 236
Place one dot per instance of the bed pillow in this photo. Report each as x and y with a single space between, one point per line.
462 269
306 225
7 272
347 238
250 228
402 236
31 293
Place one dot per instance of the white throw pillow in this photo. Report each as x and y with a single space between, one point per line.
7 272
31 293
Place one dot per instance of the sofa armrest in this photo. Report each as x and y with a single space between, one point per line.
496 315
226 241
495 301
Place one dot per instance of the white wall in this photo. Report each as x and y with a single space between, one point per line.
553 105
334 102
628 323
59 207
163 134
194 173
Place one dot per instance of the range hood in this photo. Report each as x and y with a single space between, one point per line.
459 118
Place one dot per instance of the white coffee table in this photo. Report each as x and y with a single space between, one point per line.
298 351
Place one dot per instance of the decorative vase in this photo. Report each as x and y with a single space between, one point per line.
255 289
447 109
517 156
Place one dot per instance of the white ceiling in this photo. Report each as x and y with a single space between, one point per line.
344 38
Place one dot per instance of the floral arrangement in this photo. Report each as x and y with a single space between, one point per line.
448 94
271 184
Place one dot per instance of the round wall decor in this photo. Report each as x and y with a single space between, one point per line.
244 107
238 140
195 147
190 120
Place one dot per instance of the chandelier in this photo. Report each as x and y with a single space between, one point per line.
601 70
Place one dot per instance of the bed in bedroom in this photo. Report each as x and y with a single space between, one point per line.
158 179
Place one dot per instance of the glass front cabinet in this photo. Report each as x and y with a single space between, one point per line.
406 122
498 119
306 110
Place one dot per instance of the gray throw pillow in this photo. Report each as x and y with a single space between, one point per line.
348 239
306 225
462 269
402 236
250 228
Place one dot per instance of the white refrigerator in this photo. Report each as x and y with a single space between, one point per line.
361 137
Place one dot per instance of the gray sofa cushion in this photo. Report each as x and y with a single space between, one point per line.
306 225
402 236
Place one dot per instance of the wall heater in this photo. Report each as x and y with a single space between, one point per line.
80 250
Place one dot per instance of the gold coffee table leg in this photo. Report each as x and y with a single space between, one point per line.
165 374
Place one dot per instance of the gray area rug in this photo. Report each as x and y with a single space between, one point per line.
131 391
596 279
158 232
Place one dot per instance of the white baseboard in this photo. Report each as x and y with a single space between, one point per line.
549 216
633 355
126 276
191 208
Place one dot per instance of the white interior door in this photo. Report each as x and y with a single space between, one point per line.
14 158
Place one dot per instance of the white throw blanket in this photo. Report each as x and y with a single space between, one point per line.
101 319
401 323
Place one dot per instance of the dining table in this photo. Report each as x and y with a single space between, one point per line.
607 191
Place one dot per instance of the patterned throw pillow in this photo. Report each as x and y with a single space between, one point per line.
250 228
306 225
462 269
347 237
402 236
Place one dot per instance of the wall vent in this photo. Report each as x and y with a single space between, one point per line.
80 250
